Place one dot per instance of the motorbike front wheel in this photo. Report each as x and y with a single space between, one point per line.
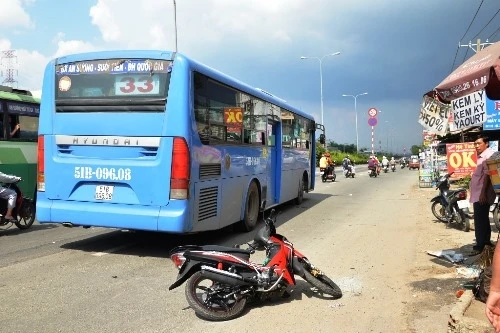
212 300
26 215
322 282
439 211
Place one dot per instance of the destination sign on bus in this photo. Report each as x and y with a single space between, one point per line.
22 109
115 66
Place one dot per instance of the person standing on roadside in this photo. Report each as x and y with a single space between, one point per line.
482 195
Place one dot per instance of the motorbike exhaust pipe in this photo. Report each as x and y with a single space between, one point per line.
226 277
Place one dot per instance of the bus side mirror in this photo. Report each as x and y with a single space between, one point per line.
322 139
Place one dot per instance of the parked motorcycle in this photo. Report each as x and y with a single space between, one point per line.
349 172
451 206
330 176
24 212
220 280
393 167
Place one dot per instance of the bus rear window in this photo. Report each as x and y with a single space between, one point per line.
112 85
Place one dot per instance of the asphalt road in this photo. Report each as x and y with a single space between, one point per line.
56 279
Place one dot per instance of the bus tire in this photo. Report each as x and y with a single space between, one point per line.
251 208
300 195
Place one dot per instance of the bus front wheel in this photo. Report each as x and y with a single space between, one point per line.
251 208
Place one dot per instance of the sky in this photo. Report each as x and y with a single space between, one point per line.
395 50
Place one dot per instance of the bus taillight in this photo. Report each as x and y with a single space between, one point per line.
41 164
179 179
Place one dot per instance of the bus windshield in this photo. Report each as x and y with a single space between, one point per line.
112 85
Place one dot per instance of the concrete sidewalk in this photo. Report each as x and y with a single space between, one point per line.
468 316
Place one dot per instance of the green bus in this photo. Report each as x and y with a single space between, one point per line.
18 144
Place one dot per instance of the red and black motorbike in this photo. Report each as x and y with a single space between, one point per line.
220 280
23 212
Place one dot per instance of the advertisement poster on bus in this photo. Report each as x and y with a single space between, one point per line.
461 159
434 115
233 118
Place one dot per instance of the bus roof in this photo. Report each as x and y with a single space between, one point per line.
204 69
257 92
12 96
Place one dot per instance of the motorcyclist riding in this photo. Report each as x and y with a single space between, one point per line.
326 163
372 164
9 194
385 162
346 163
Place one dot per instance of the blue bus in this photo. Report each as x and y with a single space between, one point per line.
153 140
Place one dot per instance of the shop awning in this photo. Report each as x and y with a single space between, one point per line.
479 71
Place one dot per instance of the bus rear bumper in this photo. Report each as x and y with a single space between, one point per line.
171 218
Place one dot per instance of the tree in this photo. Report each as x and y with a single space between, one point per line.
414 149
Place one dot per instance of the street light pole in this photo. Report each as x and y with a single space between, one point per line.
356 115
321 77
175 24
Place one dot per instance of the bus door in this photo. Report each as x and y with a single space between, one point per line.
274 160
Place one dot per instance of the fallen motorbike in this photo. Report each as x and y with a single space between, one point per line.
393 167
372 172
23 212
349 172
328 176
451 206
220 280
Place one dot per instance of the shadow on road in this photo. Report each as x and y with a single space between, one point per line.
157 244
12 230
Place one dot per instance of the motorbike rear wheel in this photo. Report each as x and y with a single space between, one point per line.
26 215
439 211
496 217
464 221
322 282
208 298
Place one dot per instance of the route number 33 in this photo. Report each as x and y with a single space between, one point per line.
136 85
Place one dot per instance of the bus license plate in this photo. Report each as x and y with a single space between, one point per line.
103 192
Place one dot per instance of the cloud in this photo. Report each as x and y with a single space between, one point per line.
30 65
13 15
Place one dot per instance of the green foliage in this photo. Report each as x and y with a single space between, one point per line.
414 149
464 182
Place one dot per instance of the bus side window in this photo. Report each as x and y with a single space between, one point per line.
15 130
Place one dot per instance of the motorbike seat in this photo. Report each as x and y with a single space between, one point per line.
227 249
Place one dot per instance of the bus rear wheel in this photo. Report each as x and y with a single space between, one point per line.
300 195
251 208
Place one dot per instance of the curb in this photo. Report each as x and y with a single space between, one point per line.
460 323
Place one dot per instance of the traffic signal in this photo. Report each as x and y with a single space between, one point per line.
322 139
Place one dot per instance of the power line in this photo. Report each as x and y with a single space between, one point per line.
494 33
477 11
498 11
